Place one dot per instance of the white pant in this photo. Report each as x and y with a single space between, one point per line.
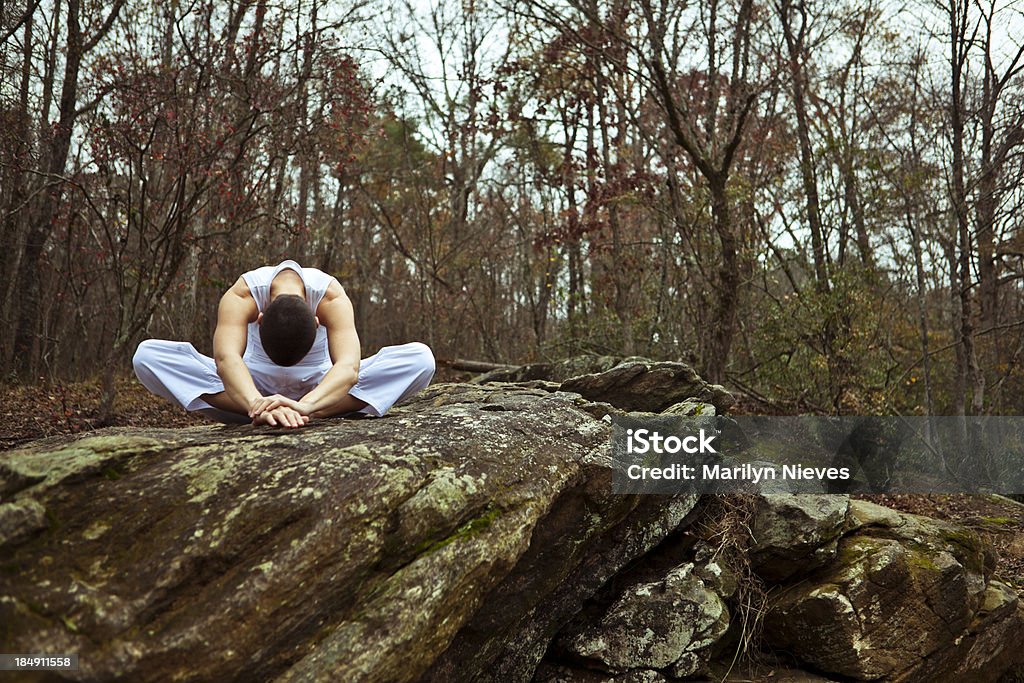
179 373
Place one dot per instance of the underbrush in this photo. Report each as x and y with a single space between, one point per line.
52 408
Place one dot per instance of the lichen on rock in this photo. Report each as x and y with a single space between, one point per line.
471 535
902 595
669 624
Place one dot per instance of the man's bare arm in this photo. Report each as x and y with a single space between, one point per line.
331 396
237 309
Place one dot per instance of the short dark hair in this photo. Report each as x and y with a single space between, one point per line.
288 329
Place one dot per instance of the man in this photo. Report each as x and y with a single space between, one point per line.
285 351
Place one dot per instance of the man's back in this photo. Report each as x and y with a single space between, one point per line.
259 281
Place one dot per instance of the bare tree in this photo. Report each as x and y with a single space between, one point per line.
54 159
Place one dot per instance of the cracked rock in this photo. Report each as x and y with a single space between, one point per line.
796 532
901 601
669 624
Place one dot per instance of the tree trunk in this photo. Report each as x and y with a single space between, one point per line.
29 280
17 177
795 47
985 208
719 341
967 372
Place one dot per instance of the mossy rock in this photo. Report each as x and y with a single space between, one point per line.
347 550
903 600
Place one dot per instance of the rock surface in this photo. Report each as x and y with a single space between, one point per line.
469 536
906 599
796 533
349 550
648 386
557 372
667 624
633 383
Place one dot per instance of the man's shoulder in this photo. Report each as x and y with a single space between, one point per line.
319 281
237 304
240 289
333 291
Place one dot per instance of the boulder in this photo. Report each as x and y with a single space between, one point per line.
556 371
795 532
665 615
907 598
670 624
511 632
991 646
471 535
347 550
632 384
648 386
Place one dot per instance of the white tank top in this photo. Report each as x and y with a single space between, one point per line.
316 282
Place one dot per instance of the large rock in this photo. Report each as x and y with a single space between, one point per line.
648 386
565 565
345 551
632 384
468 536
795 532
556 371
670 624
907 598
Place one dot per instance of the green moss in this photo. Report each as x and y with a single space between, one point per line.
921 560
478 524
109 443
961 537
854 550
468 530
69 625
999 520
85 456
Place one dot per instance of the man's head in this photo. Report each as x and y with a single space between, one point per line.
287 329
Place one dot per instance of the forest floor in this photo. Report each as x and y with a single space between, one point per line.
29 412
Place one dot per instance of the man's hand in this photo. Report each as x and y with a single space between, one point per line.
267 403
281 416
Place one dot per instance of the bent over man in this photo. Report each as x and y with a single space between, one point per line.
285 350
